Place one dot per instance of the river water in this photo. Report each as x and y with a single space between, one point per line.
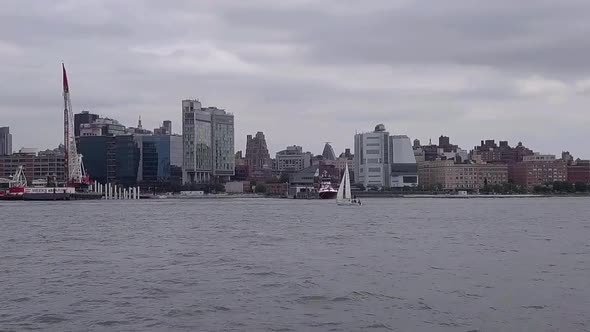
294 265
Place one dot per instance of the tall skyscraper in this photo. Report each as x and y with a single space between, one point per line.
222 124
5 141
208 142
257 155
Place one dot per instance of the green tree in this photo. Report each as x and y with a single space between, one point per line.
260 188
541 189
569 187
497 188
562 187
581 187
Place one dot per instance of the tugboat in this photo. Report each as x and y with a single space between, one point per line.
326 190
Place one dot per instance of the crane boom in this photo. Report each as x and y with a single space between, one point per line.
73 165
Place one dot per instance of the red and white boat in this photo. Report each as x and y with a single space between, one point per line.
326 190
16 186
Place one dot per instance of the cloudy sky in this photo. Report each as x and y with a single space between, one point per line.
306 71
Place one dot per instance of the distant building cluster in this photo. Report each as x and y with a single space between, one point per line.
114 153
203 155
447 167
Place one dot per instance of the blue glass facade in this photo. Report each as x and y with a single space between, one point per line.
160 158
110 159
127 159
96 157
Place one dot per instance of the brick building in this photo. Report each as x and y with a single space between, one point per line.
448 175
579 172
489 151
257 155
36 166
538 169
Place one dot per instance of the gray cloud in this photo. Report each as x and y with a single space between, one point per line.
536 36
304 71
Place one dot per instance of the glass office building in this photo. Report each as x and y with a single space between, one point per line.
208 142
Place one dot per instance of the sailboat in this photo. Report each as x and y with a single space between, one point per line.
344 196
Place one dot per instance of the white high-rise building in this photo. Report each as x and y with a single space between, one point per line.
208 142
381 160
371 157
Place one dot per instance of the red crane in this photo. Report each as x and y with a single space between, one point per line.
74 171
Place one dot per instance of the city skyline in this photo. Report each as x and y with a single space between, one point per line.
462 73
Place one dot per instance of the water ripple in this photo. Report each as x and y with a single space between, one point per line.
295 265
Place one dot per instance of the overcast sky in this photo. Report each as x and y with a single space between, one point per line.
303 71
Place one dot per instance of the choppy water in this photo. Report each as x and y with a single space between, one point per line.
289 265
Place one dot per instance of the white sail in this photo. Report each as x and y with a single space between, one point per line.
340 195
347 193
344 196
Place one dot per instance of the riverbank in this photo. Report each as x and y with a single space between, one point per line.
203 196
475 196
389 194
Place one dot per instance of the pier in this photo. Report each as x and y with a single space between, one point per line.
111 191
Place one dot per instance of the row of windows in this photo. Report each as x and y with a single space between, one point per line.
481 176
